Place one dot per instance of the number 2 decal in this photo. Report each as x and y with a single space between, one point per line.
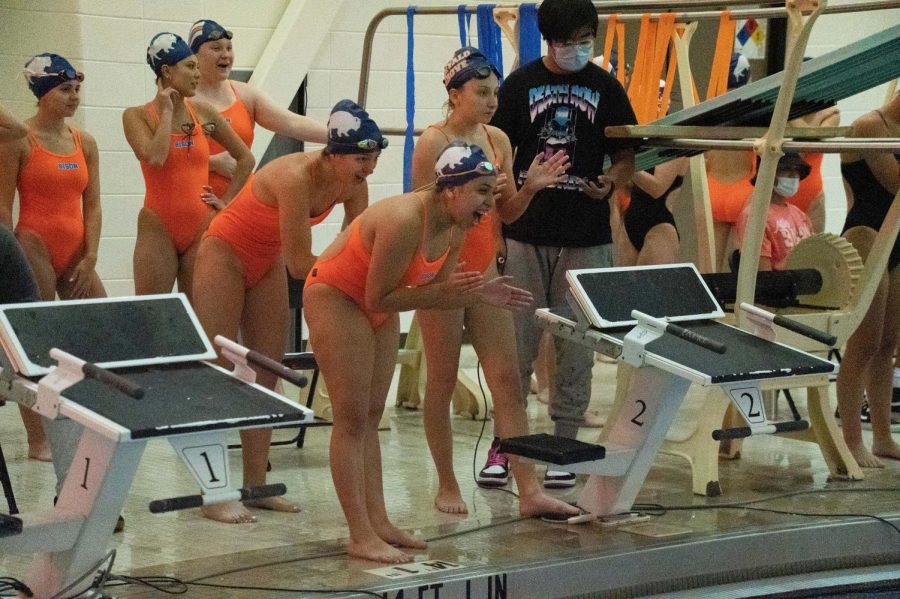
749 402
643 408
752 412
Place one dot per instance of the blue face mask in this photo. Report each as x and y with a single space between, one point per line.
572 57
787 187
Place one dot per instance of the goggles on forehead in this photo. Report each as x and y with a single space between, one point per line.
65 74
482 168
218 34
482 72
70 75
367 145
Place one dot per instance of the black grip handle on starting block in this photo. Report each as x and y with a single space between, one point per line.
263 491
805 330
277 368
112 379
770 428
158 506
695 338
10 525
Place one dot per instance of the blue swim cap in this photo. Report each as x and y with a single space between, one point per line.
166 49
45 71
206 30
467 63
352 131
459 162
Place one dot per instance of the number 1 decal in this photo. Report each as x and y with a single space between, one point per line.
212 474
87 467
208 463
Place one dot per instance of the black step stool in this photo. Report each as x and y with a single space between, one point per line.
552 449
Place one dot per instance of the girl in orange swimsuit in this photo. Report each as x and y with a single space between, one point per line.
810 198
241 105
472 86
169 137
56 171
240 283
728 174
400 254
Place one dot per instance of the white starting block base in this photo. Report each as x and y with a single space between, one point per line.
660 360
173 396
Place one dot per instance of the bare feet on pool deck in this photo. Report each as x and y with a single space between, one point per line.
889 450
394 536
864 457
450 502
231 512
40 452
540 503
276 504
378 551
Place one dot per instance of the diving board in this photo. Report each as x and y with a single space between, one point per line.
822 81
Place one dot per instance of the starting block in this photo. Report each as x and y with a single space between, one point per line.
659 321
127 370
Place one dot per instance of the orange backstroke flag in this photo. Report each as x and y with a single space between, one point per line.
718 74
654 41
615 31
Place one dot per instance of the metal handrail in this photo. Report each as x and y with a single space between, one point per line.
832 146
627 6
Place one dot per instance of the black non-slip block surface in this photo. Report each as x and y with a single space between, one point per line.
747 357
106 331
660 292
552 449
182 398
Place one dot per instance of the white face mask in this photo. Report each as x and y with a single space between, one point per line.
572 57
787 187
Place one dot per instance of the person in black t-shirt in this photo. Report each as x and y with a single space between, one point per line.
562 103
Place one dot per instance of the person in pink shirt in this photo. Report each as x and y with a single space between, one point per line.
786 224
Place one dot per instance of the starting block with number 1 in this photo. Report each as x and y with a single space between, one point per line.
127 370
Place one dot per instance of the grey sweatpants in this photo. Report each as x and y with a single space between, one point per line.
542 271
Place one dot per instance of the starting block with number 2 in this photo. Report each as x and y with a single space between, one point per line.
659 321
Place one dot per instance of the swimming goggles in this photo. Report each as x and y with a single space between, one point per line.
366 145
482 168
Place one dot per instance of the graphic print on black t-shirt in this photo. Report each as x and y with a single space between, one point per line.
541 112
560 106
